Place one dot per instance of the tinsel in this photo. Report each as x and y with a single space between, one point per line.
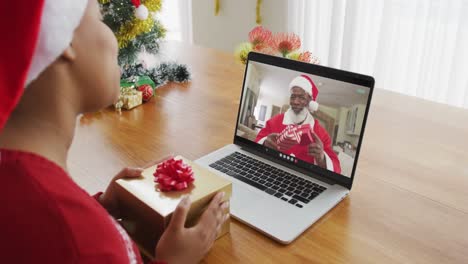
152 5
162 74
132 29
135 35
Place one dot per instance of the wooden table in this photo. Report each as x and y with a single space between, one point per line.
409 203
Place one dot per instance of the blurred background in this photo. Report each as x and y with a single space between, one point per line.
416 47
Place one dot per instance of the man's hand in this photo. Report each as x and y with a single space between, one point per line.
273 138
271 141
109 200
316 150
286 144
189 245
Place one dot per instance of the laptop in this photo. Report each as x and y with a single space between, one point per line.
296 144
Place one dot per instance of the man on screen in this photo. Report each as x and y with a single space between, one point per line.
302 103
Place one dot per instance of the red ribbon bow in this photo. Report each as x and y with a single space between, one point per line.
173 175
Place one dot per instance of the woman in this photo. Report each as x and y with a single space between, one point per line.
67 59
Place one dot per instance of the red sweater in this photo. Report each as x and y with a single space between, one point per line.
48 218
275 125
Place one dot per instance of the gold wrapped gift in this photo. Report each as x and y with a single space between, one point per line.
129 98
146 211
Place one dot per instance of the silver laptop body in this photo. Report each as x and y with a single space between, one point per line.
271 204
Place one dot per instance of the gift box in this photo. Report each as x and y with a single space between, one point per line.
129 98
297 134
306 136
146 210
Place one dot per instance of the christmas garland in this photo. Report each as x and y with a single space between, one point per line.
162 74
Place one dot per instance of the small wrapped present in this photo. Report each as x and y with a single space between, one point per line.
306 137
290 133
129 98
295 134
147 203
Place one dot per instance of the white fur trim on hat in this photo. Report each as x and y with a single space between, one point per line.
313 106
59 20
302 83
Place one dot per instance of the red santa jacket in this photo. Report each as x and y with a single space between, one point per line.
276 125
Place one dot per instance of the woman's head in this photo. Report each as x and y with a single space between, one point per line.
64 52
91 61
88 68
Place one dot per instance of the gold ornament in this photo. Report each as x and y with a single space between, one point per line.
258 18
217 5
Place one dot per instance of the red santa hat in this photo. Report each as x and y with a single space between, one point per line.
305 83
37 33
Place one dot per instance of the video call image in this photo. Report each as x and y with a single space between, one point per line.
311 118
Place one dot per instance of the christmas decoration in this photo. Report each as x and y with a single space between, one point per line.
162 74
258 15
258 19
281 44
141 12
134 29
129 98
217 6
147 91
147 209
295 134
173 175
137 29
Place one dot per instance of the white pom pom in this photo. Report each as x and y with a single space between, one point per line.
141 12
313 106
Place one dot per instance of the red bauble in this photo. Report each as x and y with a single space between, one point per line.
147 91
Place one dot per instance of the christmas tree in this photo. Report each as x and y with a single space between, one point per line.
135 26
137 29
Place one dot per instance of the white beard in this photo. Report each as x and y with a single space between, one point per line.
300 117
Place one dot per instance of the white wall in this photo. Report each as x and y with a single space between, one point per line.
342 135
234 21
332 112
270 97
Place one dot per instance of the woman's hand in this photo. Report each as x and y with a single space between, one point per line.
189 245
109 199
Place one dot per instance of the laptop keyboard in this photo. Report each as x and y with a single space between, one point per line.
278 183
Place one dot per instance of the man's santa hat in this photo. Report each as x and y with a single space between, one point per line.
37 33
305 83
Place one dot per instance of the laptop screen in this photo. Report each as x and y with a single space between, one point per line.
310 120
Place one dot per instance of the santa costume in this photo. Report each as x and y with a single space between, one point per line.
46 217
280 122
